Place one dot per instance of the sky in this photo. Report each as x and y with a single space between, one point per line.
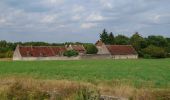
81 20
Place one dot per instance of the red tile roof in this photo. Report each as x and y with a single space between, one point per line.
121 49
79 48
41 51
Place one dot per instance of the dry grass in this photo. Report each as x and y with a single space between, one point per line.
36 89
5 59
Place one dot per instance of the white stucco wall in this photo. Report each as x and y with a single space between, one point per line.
125 56
102 50
48 58
17 55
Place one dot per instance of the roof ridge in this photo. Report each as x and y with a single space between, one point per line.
40 46
118 45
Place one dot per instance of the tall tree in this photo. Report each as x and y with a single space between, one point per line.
104 37
111 38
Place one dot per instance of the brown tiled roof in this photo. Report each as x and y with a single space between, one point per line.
78 48
40 51
121 49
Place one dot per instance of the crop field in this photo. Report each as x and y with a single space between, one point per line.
142 72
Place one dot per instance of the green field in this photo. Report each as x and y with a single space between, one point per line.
155 72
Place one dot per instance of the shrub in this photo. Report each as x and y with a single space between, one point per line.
153 51
87 94
2 55
70 53
91 49
9 54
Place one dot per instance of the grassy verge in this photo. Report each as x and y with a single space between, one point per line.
14 88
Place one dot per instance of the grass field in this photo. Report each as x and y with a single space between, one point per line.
142 72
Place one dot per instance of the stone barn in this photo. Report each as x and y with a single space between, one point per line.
39 53
117 51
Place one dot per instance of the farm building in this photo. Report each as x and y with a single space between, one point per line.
56 53
39 53
46 52
117 51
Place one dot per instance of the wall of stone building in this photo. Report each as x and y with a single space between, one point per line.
102 49
17 55
125 56
97 56
48 58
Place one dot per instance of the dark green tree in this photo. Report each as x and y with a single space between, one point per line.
155 52
3 44
111 38
121 40
104 37
159 41
137 41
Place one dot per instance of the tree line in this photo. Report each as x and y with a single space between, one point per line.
147 47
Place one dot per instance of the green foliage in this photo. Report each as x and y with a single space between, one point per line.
107 38
168 48
154 51
104 37
90 49
159 41
9 54
138 42
111 39
70 53
121 40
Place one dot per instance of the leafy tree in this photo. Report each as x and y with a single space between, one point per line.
159 41
70 53
111 38
104 37
168 48
137 41
154 51
90 49
3 44
121 40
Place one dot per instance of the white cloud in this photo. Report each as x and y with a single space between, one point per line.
162 19
53 1
2 21
49 19
95 17
88 25
76 17
106 4
78 8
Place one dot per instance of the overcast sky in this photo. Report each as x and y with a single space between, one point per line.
81 20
